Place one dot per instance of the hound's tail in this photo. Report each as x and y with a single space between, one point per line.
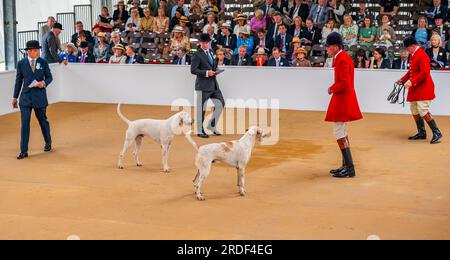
189 138
122 116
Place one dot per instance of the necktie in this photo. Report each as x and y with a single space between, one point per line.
180 61
83 56
240 61
278 63
32 65
209 57
275 31
282 43
296 11
317 15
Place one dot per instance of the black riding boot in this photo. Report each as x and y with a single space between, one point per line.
437 135
348 171
421 133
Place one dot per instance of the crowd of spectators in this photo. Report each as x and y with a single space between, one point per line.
277 33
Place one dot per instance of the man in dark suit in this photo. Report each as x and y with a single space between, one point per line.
274 27
206 85
283 39
80 30
84 56
182 58
132 56
299 9
33 77
262 41
242 58
50 45
401 63
310 35
267 6
276 60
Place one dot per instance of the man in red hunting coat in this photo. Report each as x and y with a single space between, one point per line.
420 87
343 106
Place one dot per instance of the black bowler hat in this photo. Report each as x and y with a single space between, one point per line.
334 38
31 45
84 45
409 41
57 26
204 37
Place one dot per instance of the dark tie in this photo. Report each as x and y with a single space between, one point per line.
82 58
180 61
317 15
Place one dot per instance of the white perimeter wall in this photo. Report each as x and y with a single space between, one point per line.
297 89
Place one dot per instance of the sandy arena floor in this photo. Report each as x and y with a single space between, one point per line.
402 190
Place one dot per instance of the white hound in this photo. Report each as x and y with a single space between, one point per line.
235 153
161 131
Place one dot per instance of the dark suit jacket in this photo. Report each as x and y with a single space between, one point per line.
303 12
442 57
272 62
287 42
271 30
137 59
50 48
32 97
89 37
199 66
397 64
264 8
90 58
232 41
268 44
247 61
187 60
314 35
124 17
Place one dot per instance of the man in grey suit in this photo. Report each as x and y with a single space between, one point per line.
204 67
50 45
319 12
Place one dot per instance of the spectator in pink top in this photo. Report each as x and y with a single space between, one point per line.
258 22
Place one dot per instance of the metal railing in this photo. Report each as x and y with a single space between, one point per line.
22 38
68 22
83 13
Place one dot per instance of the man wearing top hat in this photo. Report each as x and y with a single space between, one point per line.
33 77
420 87
343 106
206 85
50 45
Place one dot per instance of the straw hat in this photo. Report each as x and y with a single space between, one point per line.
178 29
243 30
119 47
301 50
296 40
184 19
241 17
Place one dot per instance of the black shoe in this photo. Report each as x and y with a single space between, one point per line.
203 135
22 156
48 147
437 135
347 172
340 169
421 133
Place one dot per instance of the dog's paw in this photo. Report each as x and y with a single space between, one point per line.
242 193
120 166
166 171
139 164
200 197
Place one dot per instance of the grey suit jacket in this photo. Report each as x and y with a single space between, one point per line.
199 66
323 16
50 47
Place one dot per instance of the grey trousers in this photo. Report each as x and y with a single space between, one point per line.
202 99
